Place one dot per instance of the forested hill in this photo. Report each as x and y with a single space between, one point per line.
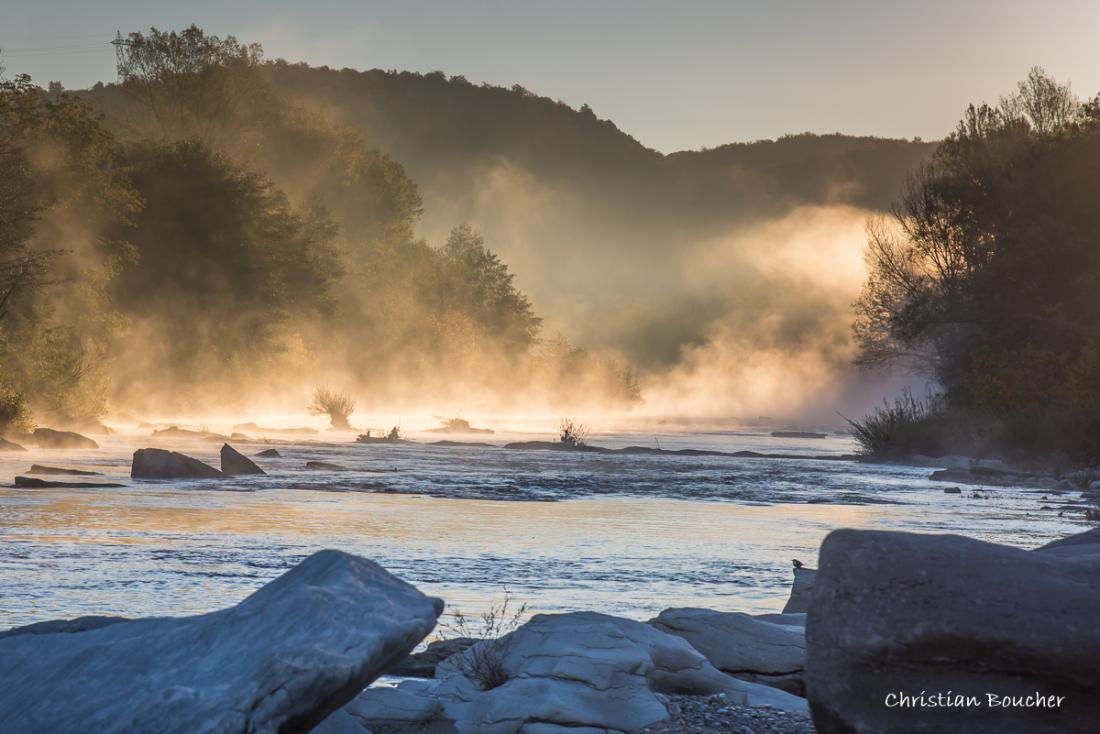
439 127
596 226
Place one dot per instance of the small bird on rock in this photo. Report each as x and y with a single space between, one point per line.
797 563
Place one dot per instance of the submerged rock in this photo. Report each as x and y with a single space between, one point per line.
234 462
580 672
280 661
269 454
47 438
325 466
742 645
36 483
164 464
40 469
897 613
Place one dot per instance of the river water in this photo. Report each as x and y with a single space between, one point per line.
623 534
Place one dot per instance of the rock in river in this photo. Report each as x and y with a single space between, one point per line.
164 464
234 462
47 438
36 483
801 591
6 445
903 614
742 645
580 672
278 662
269 454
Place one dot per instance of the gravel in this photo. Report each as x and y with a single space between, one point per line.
714 714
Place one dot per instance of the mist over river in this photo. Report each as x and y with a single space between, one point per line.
618 533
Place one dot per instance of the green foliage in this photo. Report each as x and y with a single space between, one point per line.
987 275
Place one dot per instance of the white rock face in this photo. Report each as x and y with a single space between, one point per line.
280 661
582 672
744 646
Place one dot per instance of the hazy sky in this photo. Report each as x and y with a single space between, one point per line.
675 75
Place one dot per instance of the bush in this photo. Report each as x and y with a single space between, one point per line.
572 434
909 425
484 661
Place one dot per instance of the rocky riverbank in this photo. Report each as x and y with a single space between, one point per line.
887 614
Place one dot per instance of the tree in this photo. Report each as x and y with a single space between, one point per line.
191 82
986 272
476 283
61 192
337 406
222 267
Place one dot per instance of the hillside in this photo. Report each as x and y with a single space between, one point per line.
594 223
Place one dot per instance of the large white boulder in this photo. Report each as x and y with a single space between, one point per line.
564 673
280 661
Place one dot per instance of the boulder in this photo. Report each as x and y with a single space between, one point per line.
741 645
234 462
422 664
6 445
47 438
280 661
39 469
36 483
561 673
269 454
923 615
164 464
801 591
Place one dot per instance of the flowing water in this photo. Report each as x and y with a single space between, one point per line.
627 534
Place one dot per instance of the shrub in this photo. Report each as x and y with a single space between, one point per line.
572 434
492 629
908 425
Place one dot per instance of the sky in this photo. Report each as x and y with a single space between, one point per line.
675 75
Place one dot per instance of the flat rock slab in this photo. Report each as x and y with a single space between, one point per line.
164 464
40 469
897 613
235 463
36 483
47 438
55 626
741 645
277 663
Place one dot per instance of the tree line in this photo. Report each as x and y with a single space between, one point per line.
195 229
